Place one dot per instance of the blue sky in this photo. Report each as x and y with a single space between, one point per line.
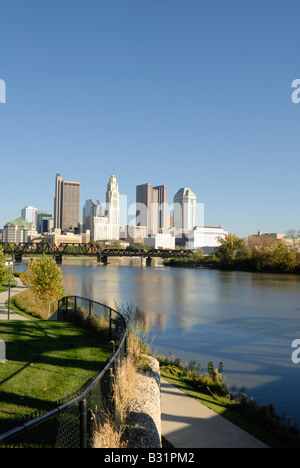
188 93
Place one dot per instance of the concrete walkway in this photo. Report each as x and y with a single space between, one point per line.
187 423
3 298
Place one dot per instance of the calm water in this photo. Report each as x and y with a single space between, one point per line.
245 320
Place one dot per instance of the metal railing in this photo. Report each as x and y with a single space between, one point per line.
74 420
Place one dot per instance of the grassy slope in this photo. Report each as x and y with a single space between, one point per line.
46 361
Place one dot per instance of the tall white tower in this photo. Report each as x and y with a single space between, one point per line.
113 205
185 209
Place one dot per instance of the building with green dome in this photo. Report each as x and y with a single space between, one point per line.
185 203
18 231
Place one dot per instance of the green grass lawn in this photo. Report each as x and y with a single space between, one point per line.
5 287
46 361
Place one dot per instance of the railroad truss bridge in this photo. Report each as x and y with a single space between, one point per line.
17 251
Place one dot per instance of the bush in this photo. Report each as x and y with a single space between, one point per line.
211 383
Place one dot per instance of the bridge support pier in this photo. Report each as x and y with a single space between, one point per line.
104 260
58 259
17 258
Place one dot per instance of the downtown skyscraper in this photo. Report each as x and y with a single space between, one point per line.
185 205
66 204
152 208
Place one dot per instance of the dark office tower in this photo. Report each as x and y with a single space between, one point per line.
70 205
143 206
163 220
66 204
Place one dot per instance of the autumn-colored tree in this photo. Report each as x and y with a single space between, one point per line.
231 249
6 274
270 254
44 278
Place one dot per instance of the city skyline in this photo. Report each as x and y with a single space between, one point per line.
187 94
129 216
156 204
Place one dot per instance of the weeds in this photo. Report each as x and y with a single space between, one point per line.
212 382
107 435
138 332
113 431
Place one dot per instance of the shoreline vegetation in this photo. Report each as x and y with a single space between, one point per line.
257 254
209 388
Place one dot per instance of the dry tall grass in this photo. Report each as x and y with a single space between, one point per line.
110 432
107 435
27 302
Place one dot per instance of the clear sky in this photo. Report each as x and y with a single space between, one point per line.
187 93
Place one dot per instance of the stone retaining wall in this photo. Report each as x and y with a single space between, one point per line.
145 411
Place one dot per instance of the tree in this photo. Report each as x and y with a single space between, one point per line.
293 234
231 249
44 278
6 274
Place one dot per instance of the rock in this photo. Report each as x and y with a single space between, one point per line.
145 413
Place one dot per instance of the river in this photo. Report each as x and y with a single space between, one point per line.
245 320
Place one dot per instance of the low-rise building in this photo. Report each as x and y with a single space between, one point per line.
205 238
157 241
57 238
272 235
18 231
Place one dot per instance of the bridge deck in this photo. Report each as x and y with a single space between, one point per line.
30 248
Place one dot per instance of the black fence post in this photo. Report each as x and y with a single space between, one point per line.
83 423
126 345
90 311
110 324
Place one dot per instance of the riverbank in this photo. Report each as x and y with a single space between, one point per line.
258 253
260 421
190 262
187 423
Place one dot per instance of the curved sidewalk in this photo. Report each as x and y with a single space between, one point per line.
3 298
187 423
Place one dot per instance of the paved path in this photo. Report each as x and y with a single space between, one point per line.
187 423
3 299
